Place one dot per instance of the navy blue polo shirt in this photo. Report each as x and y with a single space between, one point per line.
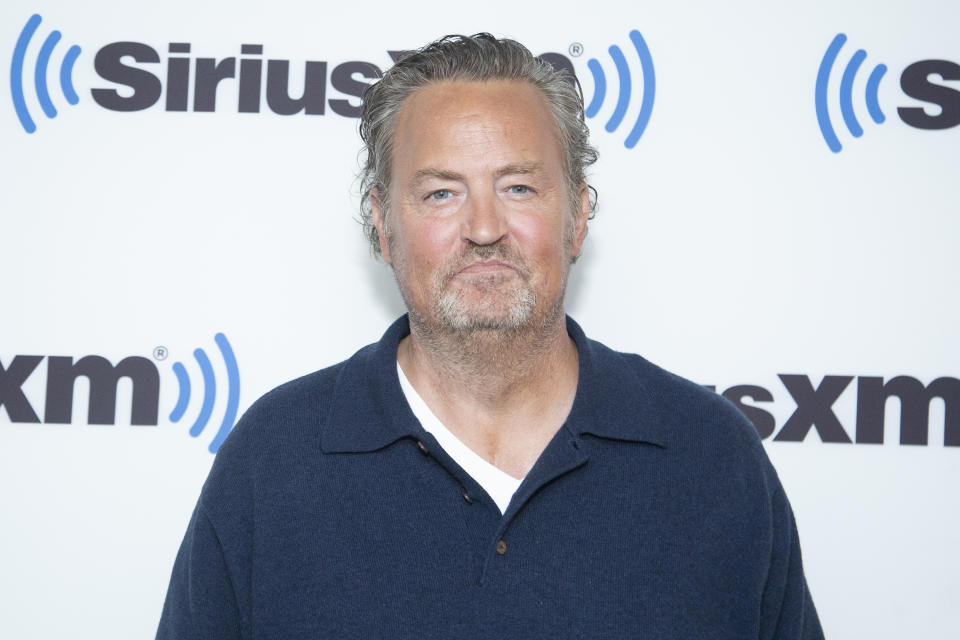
331 513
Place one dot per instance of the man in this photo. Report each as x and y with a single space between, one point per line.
485 470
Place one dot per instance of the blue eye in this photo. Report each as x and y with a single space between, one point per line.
440 194
520 189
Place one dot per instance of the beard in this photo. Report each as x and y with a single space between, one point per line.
505 303
511 312
485 302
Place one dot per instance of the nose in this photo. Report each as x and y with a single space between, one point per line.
484 220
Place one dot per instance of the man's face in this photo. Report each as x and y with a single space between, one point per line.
480 230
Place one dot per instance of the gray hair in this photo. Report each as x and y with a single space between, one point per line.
476 58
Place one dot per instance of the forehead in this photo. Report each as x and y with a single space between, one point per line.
485 122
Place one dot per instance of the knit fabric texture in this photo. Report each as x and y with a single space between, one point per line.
331 513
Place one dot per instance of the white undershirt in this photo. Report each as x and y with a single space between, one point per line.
499 485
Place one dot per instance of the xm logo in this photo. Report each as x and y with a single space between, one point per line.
103 377
814 408
916 81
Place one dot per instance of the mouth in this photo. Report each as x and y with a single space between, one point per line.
485 267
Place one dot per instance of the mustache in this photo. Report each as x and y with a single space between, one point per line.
499 251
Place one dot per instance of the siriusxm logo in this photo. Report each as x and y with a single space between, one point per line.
625 89
915 81
103 377
142 78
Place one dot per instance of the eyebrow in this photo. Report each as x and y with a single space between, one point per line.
423 174
520 168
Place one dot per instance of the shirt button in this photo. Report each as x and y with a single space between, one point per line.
466 496
422 447
502 547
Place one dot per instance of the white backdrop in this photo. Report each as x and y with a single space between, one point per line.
731 246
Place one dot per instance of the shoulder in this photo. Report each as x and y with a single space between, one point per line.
284 424
708 451
291 411
696 427
697 410
685 407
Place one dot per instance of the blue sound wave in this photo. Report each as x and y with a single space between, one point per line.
209 392
649 89
40 74
626 89
846 93
16 73
623 100
599 88
183 400
233 392
873 86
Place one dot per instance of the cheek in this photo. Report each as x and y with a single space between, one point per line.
439 237
430 243
542 240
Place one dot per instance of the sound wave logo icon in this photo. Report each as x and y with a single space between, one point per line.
625 92
846 93
40 73
209 392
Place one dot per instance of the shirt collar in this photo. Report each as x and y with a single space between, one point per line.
369 411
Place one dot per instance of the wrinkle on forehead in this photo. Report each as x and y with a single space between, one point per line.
465 131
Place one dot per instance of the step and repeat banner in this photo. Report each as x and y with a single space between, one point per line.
778 219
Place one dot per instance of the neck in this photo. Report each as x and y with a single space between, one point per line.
491 363
503 393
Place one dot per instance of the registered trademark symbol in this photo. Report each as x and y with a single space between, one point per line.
575 49
160 353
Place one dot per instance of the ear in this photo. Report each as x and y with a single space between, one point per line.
380 223
581 215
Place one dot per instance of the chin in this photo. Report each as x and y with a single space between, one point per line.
460 314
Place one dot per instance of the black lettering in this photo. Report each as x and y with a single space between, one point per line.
314 88
814 408
109 66
251 72
178 77
62 373
915 82
763 421
343 81
209 73
11 394
872 396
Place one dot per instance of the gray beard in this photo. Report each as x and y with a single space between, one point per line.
452 309
501 340
455 317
